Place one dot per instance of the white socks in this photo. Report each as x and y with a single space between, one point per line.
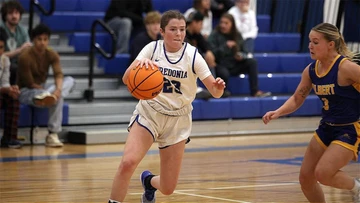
356 186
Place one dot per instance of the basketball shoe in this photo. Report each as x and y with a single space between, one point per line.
356 196
149 193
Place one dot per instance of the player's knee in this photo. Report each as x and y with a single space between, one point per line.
128 165
306 179
322 175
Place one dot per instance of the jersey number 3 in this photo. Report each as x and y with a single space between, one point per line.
326 104
171 86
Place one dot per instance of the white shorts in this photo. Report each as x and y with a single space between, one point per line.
166 130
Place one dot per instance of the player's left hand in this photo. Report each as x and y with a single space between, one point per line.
219 84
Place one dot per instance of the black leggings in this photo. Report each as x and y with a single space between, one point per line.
227 68
13 73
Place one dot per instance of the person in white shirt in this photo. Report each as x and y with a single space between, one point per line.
165 119
203 6
246 24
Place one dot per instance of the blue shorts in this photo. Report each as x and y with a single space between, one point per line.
347 136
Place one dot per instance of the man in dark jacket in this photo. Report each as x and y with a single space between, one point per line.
124 17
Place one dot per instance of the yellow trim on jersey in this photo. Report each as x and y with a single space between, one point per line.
319 140
352 148
356 86
332 64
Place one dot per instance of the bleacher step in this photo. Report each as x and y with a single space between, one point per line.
74 61
72 71
101 108
118 133
98 83
99 119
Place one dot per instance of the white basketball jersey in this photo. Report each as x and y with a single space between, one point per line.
180 69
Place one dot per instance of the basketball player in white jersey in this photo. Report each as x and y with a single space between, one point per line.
166 119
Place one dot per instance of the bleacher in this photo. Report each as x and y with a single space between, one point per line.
279 62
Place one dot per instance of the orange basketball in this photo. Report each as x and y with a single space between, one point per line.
145 83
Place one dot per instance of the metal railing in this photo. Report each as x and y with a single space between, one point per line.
89 93
35 3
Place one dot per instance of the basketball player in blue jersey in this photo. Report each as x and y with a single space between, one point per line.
336 81
166 119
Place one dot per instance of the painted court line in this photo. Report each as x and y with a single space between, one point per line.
210 197
252 186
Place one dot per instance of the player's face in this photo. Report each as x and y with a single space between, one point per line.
319 47
41 42
225 25
13 17
174 34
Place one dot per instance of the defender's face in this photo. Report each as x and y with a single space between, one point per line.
319 47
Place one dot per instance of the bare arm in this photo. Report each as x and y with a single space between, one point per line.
350 71
215 86
17 51
295 101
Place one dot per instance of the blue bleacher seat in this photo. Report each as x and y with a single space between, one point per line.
277 42
81 41
61 21
196 113
117 65
24 117
263 22
84 20
291 82
164 5
216 109
41 116
94 5
271 103
282 62
247 107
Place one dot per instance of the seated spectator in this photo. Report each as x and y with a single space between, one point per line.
219 7
246 24
152 25
194 37
18 37
125 17
8 99
226 44
203 6
34 65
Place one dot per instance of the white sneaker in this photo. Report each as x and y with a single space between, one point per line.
52 140
356 196
45 100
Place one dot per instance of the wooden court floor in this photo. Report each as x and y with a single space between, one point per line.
257 168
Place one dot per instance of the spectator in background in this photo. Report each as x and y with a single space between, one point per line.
8 99
246 24
226 44
193 36
219 7
18 37
34 64
126 17
203 6
152 33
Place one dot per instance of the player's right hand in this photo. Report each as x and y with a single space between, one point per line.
270 115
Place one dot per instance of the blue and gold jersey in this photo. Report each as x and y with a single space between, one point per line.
341 104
